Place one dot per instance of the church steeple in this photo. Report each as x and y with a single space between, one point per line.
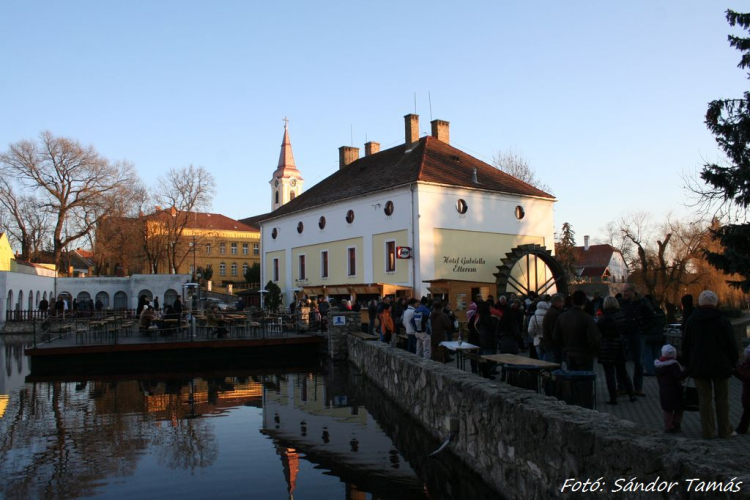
287 181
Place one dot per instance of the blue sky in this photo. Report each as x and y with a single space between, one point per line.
605 99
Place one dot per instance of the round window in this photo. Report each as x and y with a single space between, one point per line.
274 233
520 213
350 216
461 206
300 227
322 222
388 208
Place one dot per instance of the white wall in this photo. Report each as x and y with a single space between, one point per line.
158 284
489 212
369 219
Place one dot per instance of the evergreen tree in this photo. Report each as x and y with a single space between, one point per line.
273 297
565 250
729 121
252 275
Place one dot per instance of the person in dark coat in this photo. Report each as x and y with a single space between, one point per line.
612 350
441 325
473 332
638 313
372 313
177 307
552 350
43 306
687 309
488 326
710 354
670 375
578 334
743 373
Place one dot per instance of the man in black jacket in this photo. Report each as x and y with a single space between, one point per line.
552 351
710 354
578 334
637 313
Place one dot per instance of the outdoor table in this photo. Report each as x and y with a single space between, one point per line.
514 359
460 348
513 363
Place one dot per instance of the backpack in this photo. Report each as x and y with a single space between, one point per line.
419 321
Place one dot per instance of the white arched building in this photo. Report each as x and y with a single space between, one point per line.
422 217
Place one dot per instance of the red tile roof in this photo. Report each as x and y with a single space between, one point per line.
595 256
203 220
428 160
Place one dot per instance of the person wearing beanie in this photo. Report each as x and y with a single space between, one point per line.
743 373
670 375
710 354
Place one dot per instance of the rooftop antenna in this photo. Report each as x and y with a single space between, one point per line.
429 98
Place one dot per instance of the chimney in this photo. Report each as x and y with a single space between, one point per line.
441 130
158 208
412 128
474 176
347 154
371 148
586 243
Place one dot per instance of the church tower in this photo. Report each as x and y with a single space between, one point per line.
286 183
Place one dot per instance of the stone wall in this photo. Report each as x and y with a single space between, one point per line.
525 445
338 348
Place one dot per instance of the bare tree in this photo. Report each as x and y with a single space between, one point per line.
118 240
25 223
71 181
183 192
664 256
515 164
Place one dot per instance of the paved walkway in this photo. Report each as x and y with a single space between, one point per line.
647 411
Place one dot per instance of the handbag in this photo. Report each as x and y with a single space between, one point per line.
690 398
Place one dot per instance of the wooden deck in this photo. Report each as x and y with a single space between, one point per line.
65 353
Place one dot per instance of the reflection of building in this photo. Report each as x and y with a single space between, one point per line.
395 219
329 429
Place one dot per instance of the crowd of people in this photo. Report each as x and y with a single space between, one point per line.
576 331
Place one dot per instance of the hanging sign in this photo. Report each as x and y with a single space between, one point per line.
403 252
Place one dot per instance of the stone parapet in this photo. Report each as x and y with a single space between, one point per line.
338 349
526 445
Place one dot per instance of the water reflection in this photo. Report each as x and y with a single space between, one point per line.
235 435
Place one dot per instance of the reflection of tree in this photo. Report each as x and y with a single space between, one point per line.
186 444
55 444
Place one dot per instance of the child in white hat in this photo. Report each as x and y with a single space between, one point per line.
670 375
743 373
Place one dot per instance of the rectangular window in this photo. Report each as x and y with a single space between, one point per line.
390 256
234 269
324 264
208 248
222 248
256 249
352 271
222 269
302 273
234 248
245 249
276 269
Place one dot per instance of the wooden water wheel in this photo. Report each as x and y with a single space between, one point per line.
530 268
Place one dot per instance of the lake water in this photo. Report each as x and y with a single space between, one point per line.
323 434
